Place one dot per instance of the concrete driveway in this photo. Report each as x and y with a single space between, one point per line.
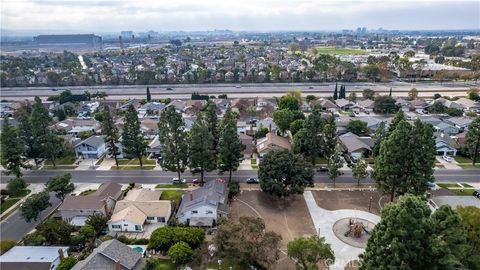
324 220
448 165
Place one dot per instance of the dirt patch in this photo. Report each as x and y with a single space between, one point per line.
360 200
289 218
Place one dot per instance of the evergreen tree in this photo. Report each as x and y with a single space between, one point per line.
309 139
335 163
335 93
230 150
342 91
40 121
149 96
472 140
283 173
399 116
402 239
61 185
173 139
33 150
53 146
132 138
378 138
330 137
390 93
12 148
110 131
201 150
212 122
359 171
34 205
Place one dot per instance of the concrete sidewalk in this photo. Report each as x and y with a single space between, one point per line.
324 220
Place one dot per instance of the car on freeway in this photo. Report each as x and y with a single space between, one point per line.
252 180
447 158
169 88
54 89
310 87
322 169
177 180
238 86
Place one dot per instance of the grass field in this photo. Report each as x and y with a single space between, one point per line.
135 161
467 185
340 51
175 186
87 192
68 160
462 159
173 195
133 168
448 185
464 192
11 201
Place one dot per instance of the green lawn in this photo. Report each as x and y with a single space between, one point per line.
68 160
173 195
448 185
177 186
136 162
469 166
13 200
466 185
464 192
163 264
133 168
87 192
462 159
340 51
321 160
59 167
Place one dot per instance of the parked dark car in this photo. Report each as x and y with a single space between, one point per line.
196 170
195 181
169 88
252 180
476 193
322 169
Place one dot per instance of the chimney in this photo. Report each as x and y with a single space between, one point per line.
60 254
117 265
191 195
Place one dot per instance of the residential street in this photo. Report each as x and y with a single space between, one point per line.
14 227
152 177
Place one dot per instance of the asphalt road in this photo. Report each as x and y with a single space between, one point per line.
153 177
241 90
14 227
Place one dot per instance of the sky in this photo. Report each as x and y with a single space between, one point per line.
88 16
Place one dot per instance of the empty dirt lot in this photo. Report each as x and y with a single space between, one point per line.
289 218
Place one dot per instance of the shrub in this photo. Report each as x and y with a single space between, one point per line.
15 185
6 245
233 189
180 253
164 238
33 239
124 239
67 263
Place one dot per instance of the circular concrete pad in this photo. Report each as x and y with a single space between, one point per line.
341 226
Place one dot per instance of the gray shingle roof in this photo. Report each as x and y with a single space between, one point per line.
105 256
212 193
94 141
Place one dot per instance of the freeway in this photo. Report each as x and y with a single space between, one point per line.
153 177
14 227
242 90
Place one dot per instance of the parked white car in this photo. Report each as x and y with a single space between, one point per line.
447 158
179 181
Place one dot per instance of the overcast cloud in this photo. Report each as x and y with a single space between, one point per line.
261 15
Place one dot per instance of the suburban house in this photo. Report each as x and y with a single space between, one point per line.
343 104
460 122
272 142
411 116
469 105
112 255
241 127
203 206
446 128
403 104
151 108
139 208
267 123
365 105
76 209
33 258
418 105
326 104
75 126
93 147
448 103
372 122
154 147
177 104
444 145
355 145
248 145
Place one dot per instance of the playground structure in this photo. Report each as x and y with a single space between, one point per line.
356 229
353 231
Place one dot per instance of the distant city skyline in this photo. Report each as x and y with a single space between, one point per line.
87 16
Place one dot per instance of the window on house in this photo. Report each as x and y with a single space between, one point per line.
125 224
209 212
194 212
161 219
150 218
138 227
116 226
